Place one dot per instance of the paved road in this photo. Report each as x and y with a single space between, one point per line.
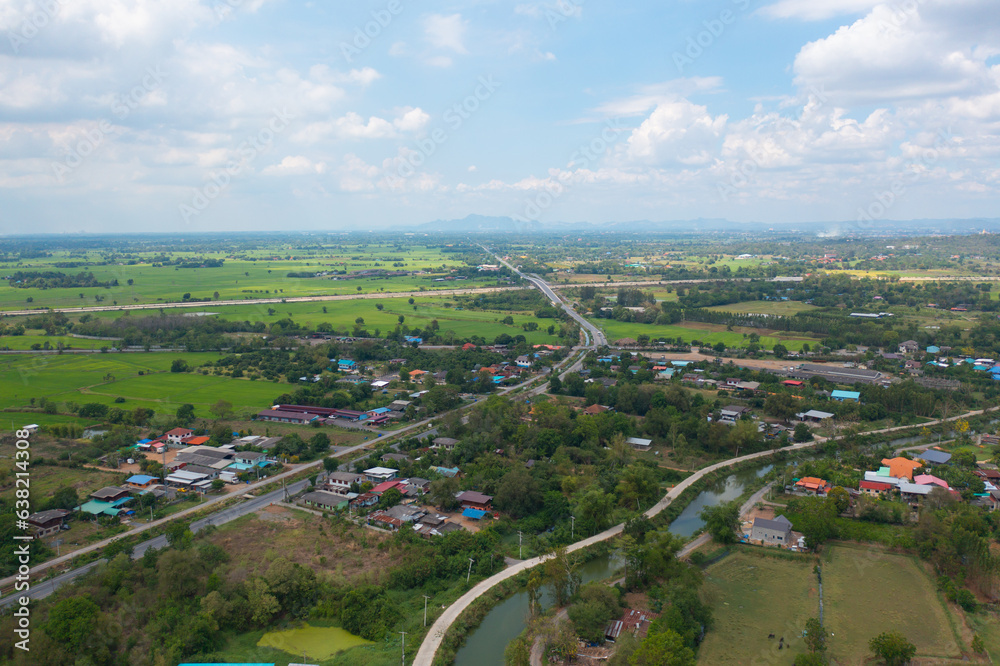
595 335
432 641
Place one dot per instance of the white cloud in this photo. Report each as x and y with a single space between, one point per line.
816 10
294 166
677 132
411 119
445 32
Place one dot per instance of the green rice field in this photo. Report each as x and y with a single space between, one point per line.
708 334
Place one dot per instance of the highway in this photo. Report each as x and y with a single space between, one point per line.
595 336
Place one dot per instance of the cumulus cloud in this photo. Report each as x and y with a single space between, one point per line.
816 10
445 32
296 165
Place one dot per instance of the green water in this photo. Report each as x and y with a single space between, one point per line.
315 643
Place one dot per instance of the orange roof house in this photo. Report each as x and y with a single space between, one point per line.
813 484
901 467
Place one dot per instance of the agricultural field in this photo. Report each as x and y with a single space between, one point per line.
343 315
102 378
30 339
708 334
779 308
236 278
867 592
753 595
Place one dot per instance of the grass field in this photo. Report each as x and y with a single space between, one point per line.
24 342
104 377
708 334
311 642
783 308
236 278
752 596
867 592
342 315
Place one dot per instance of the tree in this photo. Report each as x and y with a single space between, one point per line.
218 484
802 433
780 350
892 648
71 621
517 652
185 413
330 465
442 493
179 365
722 521
597 606
222 409
816 635
390 498
840 498
518 493
663 649
319 444
179 535
817 520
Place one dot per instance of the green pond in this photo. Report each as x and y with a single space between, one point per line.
316 643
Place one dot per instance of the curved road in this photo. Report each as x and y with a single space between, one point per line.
432 641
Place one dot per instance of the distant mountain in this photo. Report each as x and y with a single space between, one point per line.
486 224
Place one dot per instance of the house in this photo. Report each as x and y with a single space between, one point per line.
346 365
395 457
177 434
423 485
471 499
777 531
447 472
930 480
378 411
109 494
934 457
210 473
380 474
902 468
794 383
813 484
814 416
342 481
911 492
595 409
522 362
406 513
250 458
385 521
909 347
324 500
747 386
639 444
632 622
875 488
389 485
185 479
994 499
140 481
851 396
399 405
282 416
883 476
364 500
446 443
48 522
732 413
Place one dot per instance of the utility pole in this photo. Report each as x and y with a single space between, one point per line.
425 609
403 647
572 528
469 575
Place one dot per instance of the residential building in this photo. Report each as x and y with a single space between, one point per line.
380 474
934 457
395 457
281 416
423 485
177 434
109 494
902 468
48 522
342 481
774 532
850 396
732 413
875 488
250 458
140 481
446 443
324 500
909 347
639 443
814 416
471 499
813 484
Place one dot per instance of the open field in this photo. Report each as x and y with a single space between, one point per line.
783 308
236 278
104 377
25 342
708 334
752 596
342 315
867 592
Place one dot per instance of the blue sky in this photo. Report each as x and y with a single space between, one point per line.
132 115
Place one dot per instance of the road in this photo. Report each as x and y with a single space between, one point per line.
432 641
596 337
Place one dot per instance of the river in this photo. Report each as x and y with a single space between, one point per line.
485 645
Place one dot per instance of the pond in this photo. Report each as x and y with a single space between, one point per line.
312 643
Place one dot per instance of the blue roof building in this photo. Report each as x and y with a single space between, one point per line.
933 350
846 395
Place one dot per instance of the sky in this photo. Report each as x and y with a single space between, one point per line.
203 115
